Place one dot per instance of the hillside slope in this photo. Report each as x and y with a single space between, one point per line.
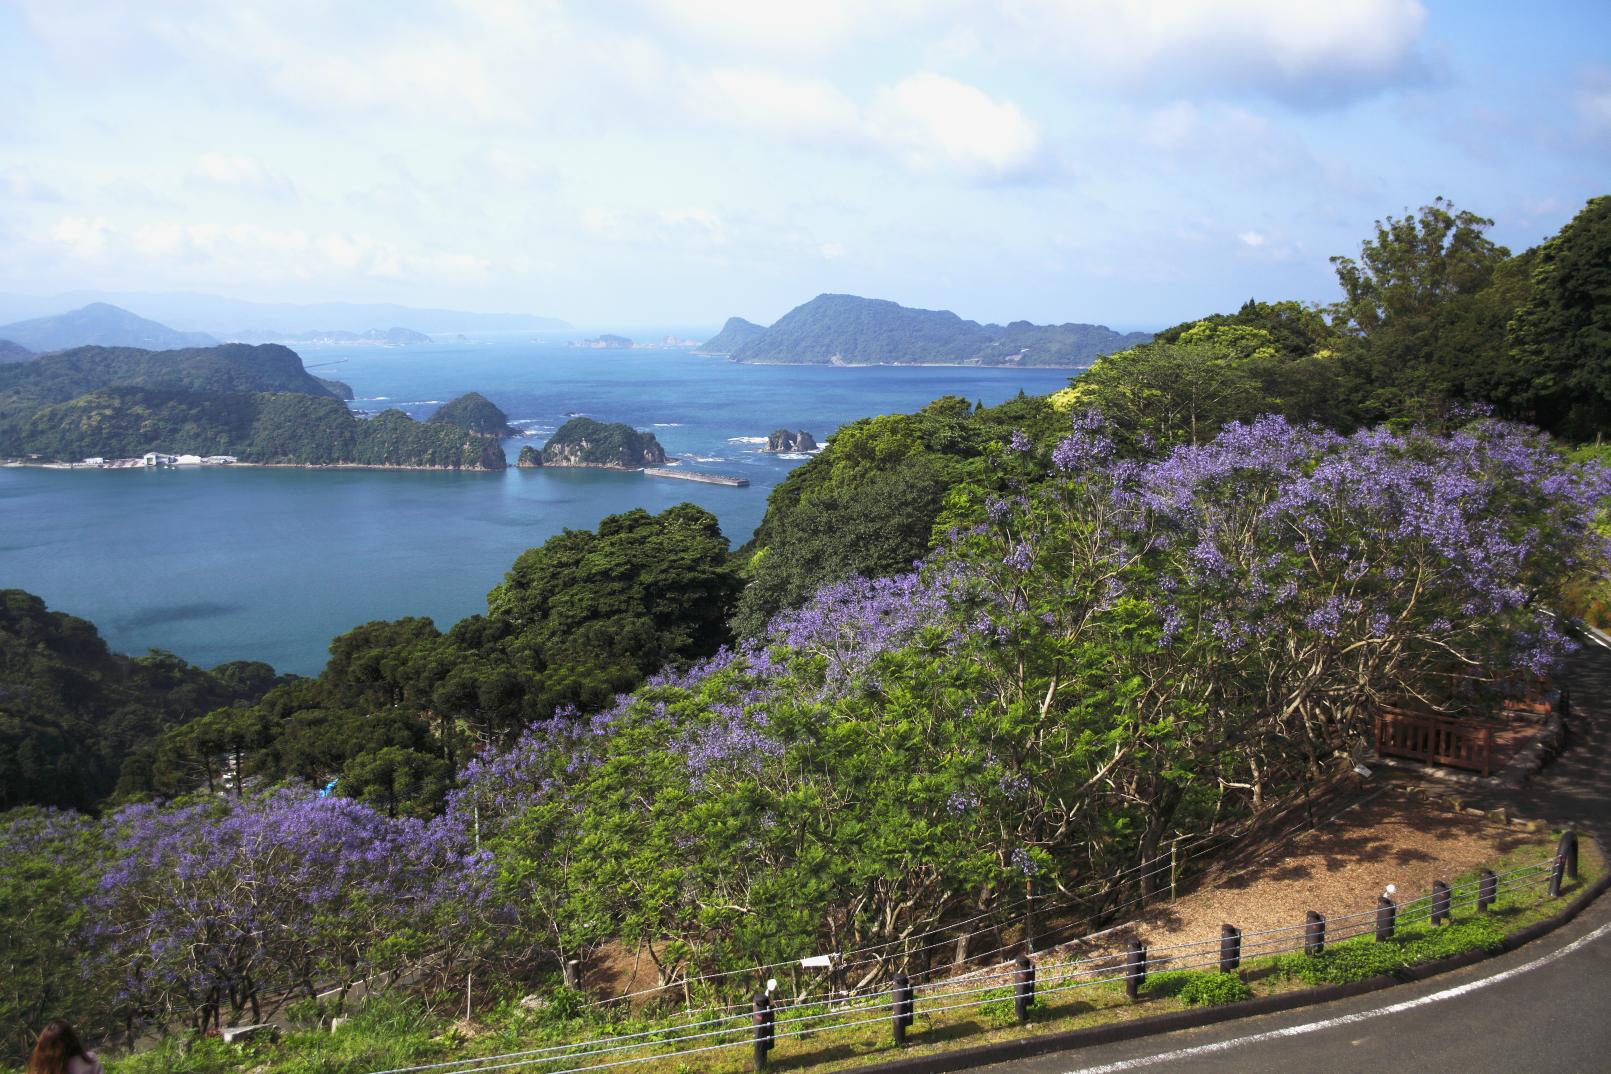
851 330
99 324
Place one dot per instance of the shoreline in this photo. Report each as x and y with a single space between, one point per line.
13 464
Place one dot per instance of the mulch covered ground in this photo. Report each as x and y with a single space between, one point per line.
1339 868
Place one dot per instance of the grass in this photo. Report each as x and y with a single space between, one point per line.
397 1031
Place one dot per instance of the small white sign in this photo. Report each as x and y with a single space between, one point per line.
819 962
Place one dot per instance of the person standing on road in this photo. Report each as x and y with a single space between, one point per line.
58 1051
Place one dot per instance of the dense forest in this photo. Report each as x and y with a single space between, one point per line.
475 413
611 445
734 334
970 654
71 711
256 403
851 329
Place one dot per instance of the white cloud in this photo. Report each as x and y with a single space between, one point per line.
1307 53
83 237
927 121
23 184
603 224
765 100
242 172
785 27
832 251
1594 102
512 166
1254 239
253 253
471 62
685 226
693 219
939 123
1227 139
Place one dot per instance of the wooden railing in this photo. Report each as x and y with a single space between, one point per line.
1439 739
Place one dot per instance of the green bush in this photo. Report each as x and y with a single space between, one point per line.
1214 989
1165 984
1357 959
1196 988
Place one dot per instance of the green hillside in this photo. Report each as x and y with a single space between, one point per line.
855 331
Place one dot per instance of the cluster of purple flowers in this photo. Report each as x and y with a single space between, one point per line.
208 906
1215 568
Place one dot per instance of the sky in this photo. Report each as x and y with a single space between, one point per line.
679 161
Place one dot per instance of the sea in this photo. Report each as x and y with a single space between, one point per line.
218 564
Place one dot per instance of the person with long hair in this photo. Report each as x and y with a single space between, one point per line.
58 1051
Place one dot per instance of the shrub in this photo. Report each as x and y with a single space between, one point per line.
1165 983
1355 960
1214 989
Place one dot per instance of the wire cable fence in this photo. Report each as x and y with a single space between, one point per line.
999 917
807 1018
1182 850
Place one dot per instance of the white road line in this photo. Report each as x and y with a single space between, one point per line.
1347 1019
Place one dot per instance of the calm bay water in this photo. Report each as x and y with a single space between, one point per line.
270 564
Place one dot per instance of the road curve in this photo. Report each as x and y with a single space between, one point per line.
1542 1009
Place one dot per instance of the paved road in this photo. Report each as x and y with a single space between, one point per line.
1545 1008
1550 1015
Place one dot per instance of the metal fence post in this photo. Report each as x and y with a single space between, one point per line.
1567 851
762 1008
1440 902
1386 918
903 1007
1314 934
1024 988
1230 948
1487 890
1557 870
1135 968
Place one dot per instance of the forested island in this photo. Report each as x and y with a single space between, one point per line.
970 657
584 442
605 342
850 330
255 403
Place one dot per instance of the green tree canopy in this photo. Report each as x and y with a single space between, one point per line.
1562 334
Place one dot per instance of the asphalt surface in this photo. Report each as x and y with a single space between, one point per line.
1543 1008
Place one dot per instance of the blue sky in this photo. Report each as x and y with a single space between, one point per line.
677 161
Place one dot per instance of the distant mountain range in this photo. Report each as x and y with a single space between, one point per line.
99 325
395 337
103 325
850 330
223 317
